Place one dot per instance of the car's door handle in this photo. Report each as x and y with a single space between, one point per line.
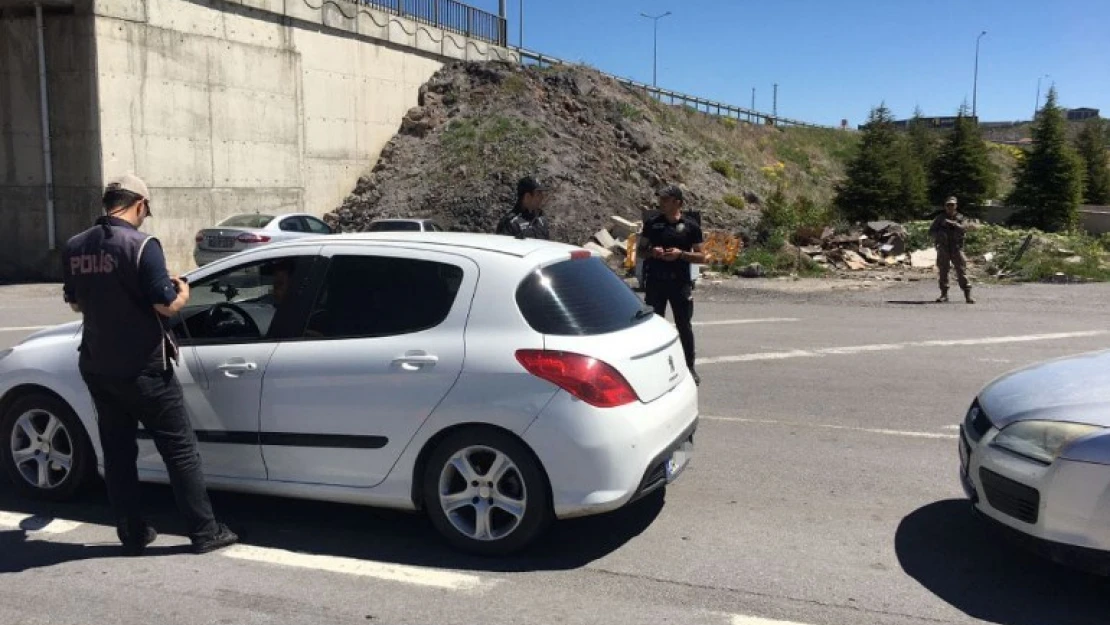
415 361
237 368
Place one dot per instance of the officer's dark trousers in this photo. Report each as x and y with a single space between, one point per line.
155 400
680 295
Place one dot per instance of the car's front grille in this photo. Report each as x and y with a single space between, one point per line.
976 423
1009 497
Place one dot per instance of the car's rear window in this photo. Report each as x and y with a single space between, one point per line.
578 298
395 226
247 221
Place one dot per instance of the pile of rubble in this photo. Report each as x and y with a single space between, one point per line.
611 243
878 244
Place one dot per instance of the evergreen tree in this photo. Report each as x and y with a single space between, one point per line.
873 186
913 192
962 167
923 140
1049 182
1092 147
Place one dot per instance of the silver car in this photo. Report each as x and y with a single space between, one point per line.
1035 457
404 225
248 231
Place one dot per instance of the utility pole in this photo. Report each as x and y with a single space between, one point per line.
521 16
503 13
975 84
655 55
1037 106
750 118
775 103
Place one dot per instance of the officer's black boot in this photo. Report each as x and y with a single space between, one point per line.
967 296
135 536
943 296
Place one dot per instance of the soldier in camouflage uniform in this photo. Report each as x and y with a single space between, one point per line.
948 232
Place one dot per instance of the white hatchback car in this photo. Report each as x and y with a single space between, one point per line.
495 383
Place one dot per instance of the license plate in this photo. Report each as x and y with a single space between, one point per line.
677 463
222 243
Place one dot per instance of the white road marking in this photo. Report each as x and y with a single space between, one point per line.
37 524
736 322
951 427
420 576
889 347
827 426
24 328
391 572
740 619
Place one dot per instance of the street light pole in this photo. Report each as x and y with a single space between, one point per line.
655 54
520 12
975 86
1037 106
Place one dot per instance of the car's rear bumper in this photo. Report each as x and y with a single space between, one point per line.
598 460
1058 508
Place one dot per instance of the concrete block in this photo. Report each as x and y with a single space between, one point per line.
185 18
255 69
117 152
128 10
259 26
251 116
21 159
327 182
429 39
330 96
340 15
454 46
302 10
169 161
604 239
330 138
250 164
402 32
372 23
276 7
623 228
597 249
76 157
174 109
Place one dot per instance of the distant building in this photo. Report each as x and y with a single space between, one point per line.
930 122
1080 114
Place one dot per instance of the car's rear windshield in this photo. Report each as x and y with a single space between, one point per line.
247 221
395 226
578 298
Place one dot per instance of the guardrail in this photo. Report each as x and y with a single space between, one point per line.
449 15
710 107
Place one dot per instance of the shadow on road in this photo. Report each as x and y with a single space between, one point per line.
325 529
956 556
910 302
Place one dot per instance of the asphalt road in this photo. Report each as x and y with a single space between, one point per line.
824 491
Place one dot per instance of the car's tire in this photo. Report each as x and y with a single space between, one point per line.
44 449
516 508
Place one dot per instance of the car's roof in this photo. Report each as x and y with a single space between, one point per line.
485 242
400 220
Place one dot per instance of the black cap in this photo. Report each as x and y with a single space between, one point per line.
529 184
672 191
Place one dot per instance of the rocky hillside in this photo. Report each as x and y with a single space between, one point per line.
604 147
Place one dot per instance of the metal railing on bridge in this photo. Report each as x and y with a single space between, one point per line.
676 98
449 15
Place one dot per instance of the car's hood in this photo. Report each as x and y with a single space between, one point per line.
66 330
1076 389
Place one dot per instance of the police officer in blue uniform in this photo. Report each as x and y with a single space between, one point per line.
116 277
526 220
674 241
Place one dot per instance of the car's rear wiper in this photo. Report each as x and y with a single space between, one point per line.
643 313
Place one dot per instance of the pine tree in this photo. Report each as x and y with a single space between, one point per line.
923 140
962 167
1092 148
1049 182
918 152
873 187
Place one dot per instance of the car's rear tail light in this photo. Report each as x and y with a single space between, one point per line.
588 379
248 237
580 254
200 237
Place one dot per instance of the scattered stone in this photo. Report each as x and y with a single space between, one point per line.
604 239
623 228
601 251
923 259
754 270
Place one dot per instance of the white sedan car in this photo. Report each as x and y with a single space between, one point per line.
1035 457
495 383
250 230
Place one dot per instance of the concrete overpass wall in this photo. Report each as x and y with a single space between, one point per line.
227 106
73 115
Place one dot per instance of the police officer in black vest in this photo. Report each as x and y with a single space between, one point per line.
116 277
526 220
674 242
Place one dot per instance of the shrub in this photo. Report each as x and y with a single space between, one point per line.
724 168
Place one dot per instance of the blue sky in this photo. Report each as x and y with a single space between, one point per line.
835 59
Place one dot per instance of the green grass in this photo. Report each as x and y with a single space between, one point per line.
777 263
734 201
491 144
629 111
724 168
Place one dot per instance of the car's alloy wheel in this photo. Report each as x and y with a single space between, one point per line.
45 451
485 493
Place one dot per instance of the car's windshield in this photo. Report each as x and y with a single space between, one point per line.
395 226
